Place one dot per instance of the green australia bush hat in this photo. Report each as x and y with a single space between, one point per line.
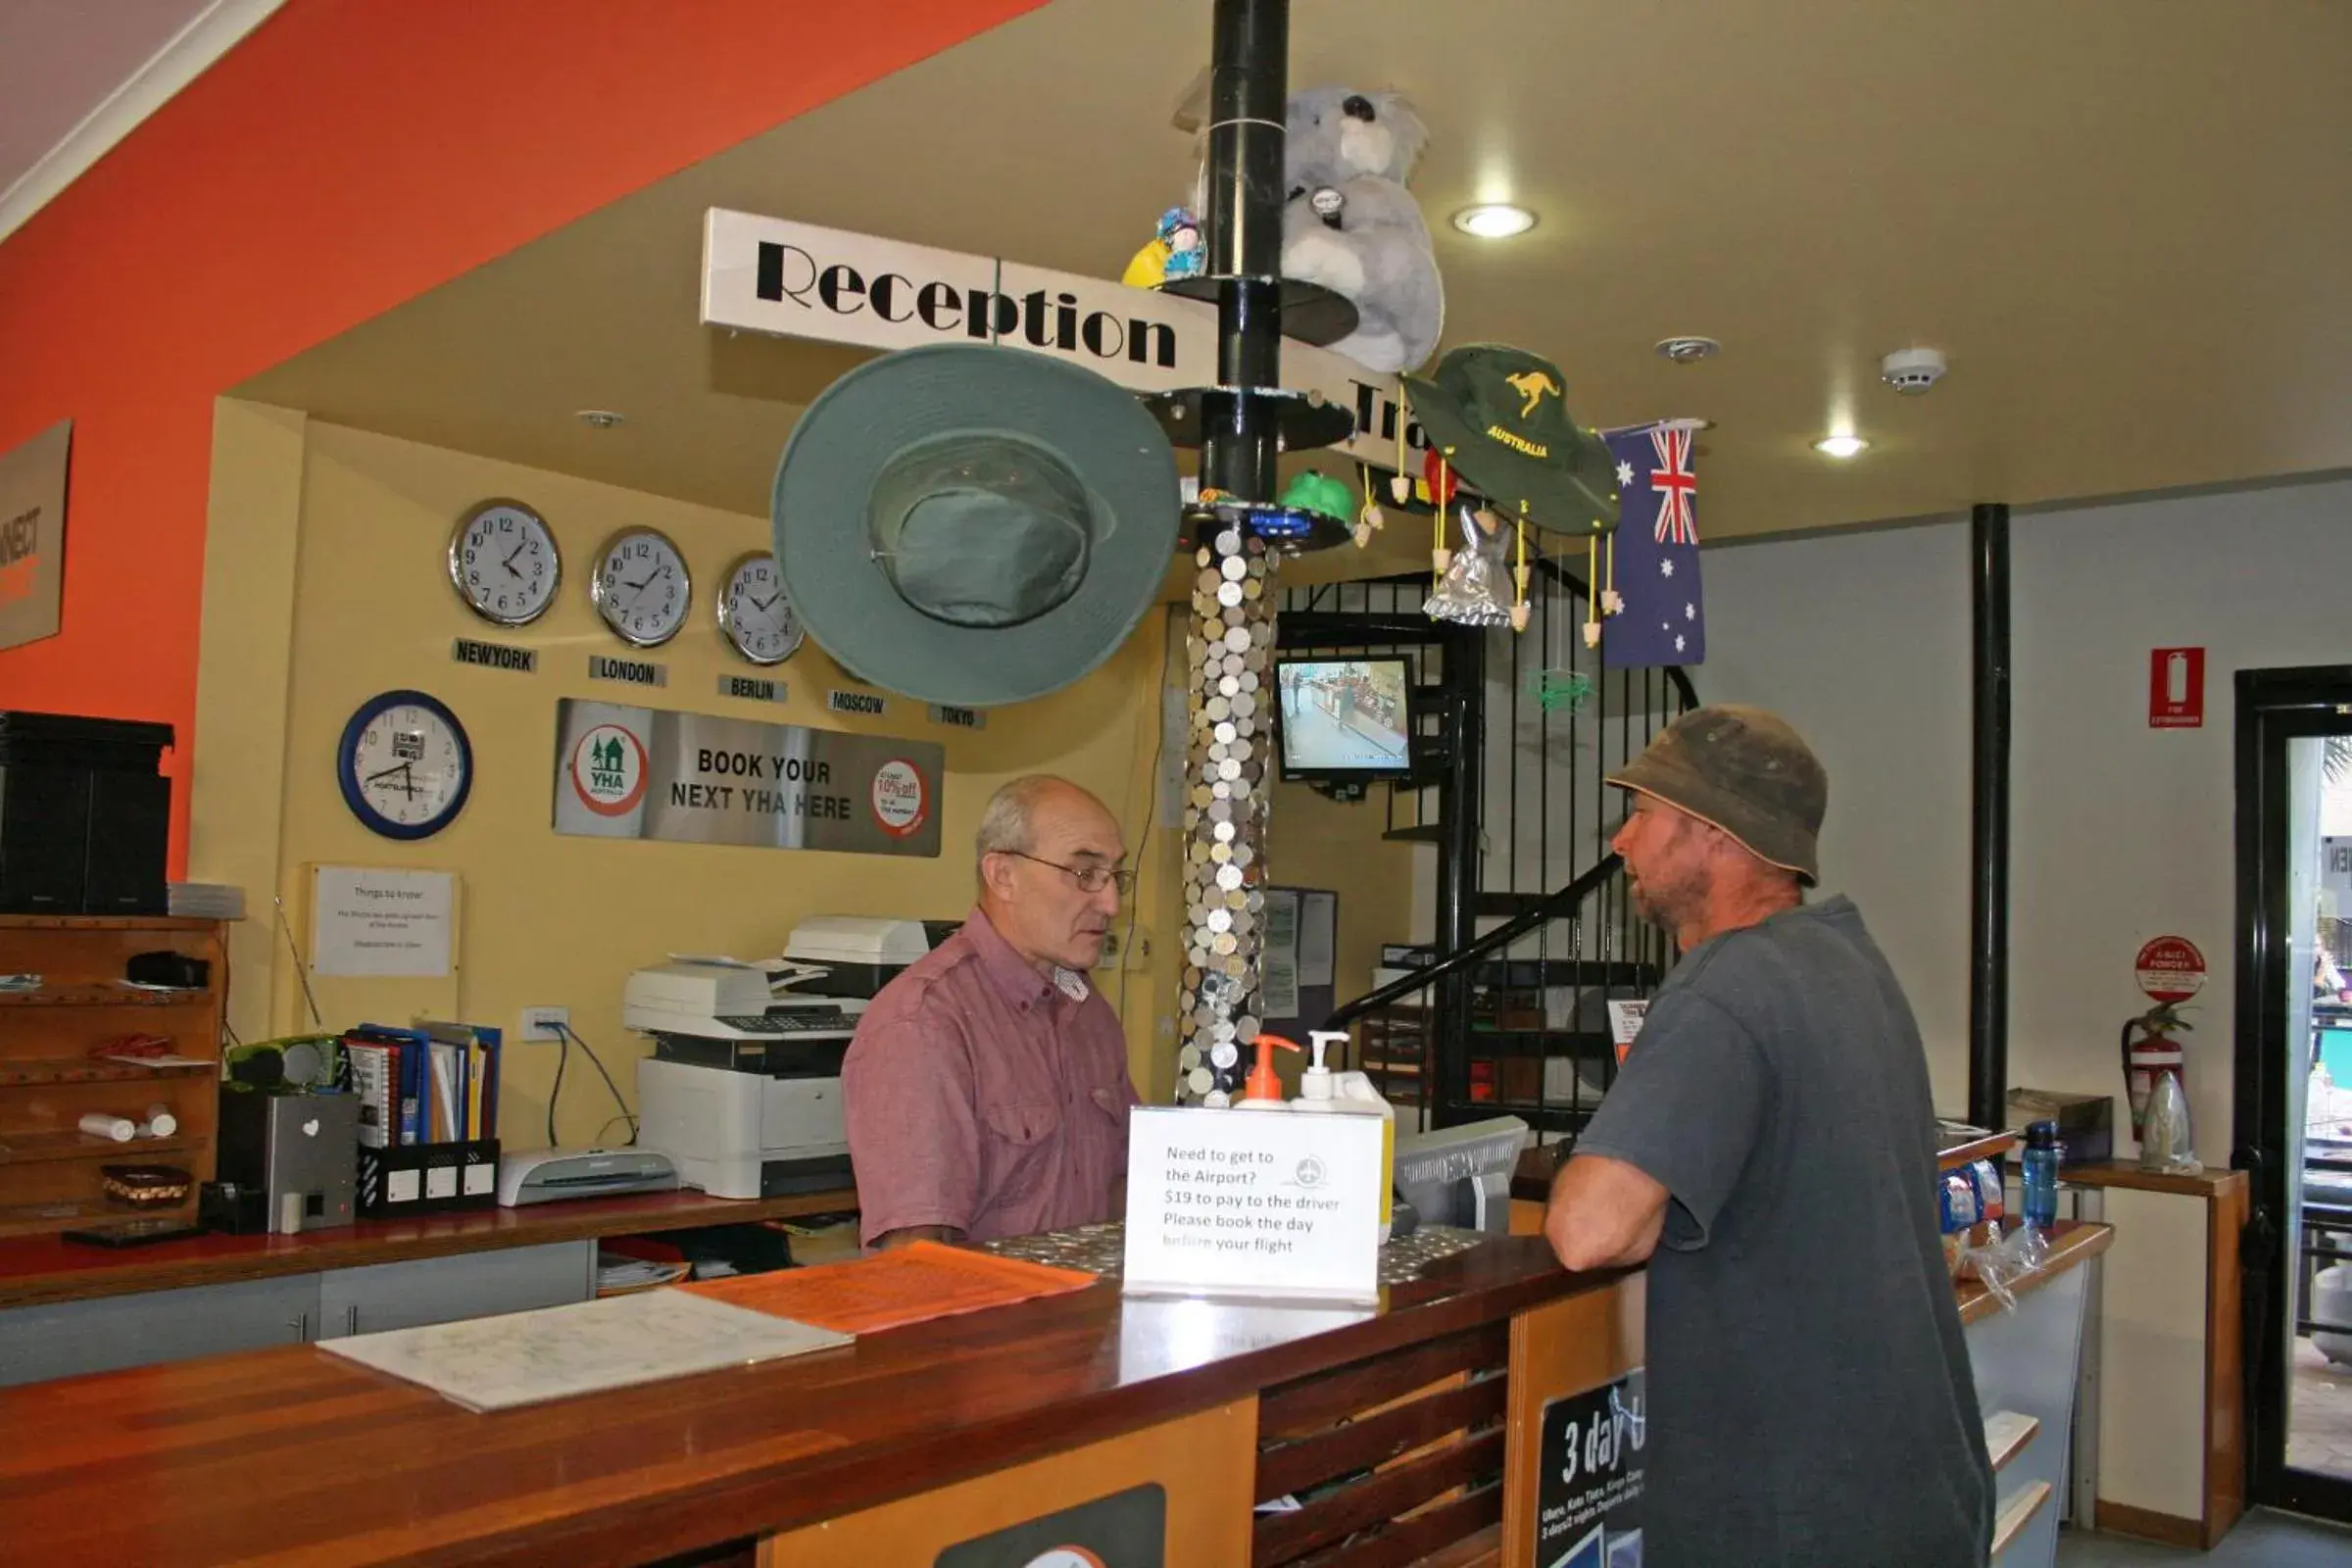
1745 770
974 524
1499 416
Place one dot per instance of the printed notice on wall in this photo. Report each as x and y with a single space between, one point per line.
1588 1477
1223 1202
367 920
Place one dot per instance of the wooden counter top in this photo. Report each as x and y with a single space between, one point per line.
2207 1183
2073 1242
42 1268
292 1455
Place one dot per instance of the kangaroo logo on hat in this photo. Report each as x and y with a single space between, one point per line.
1533 385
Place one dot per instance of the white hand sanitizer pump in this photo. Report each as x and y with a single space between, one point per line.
1351 1093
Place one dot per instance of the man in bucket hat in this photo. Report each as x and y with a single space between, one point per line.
1768 1150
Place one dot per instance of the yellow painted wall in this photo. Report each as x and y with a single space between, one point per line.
549 919
1314 841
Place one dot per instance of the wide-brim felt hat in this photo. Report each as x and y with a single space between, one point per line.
1499 416
972 525
1745 770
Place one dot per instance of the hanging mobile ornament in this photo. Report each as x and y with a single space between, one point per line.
1440 495
1560 684
1519 578
1400 483
1369 520
1591 599
1471 591
1611 602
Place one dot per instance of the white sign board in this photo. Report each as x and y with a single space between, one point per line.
1280 1205
788 279
367 920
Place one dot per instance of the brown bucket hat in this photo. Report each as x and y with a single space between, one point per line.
1745 770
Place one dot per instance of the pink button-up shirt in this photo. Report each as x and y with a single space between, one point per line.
983 1096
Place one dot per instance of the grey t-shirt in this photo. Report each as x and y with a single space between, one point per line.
1811 1390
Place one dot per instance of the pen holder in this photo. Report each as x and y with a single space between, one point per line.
427 1178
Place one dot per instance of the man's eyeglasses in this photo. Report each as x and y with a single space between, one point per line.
1090 878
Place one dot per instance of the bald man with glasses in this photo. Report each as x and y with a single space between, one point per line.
987 1090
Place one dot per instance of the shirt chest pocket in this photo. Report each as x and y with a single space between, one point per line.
1022 1138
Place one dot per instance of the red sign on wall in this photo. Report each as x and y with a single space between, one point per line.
2177 688
2170 969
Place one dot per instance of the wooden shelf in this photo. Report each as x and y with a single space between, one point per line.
82 1070
107 922
50 1173
102 994
2017 1512
2006 1433
25 1149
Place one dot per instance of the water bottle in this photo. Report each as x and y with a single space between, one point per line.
2040 1177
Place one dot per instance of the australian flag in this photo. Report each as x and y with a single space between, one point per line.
1664 621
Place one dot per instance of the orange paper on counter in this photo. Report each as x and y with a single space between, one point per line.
911 1284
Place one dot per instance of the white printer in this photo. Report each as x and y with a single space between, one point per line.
744 1086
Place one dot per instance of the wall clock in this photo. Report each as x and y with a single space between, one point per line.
759 620
504 563
404 764
641 588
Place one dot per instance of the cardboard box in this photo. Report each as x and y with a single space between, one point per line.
2086 1122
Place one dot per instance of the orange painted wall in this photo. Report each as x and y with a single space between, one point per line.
346 157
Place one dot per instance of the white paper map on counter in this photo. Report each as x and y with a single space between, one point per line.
519 1358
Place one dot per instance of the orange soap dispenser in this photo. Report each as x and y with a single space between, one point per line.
1262 1089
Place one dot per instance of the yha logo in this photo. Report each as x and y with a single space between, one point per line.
608 770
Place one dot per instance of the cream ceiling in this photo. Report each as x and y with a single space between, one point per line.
2126 222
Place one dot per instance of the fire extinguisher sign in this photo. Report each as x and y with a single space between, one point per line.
2177 688
2171 970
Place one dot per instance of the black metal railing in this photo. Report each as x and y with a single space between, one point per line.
1505 1011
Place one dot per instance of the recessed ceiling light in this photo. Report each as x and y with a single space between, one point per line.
1840 446
1495 220
599 419
1688 350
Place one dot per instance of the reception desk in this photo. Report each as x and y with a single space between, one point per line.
1176 1416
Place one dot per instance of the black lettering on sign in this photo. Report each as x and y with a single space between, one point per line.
494 655
634 671
960 717
867 702
19 536
750 688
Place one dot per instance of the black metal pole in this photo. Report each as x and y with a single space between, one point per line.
1988 913
1243 230
1459 802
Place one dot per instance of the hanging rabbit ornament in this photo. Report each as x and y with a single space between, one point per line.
1471 588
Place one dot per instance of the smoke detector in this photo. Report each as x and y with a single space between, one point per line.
1912 371
1688 350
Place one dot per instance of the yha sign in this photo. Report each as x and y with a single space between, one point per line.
32 536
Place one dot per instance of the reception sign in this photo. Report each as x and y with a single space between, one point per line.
629 772
788 279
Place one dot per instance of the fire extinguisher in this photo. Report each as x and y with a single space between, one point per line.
2150 1052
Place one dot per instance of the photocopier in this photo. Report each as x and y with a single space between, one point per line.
743 1090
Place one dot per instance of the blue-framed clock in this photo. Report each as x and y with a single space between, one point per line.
404 764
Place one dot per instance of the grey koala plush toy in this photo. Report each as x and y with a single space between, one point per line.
1350 225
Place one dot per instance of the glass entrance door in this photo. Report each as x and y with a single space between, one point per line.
2294 1080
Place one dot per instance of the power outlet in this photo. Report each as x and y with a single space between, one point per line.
545 1023
1120 954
